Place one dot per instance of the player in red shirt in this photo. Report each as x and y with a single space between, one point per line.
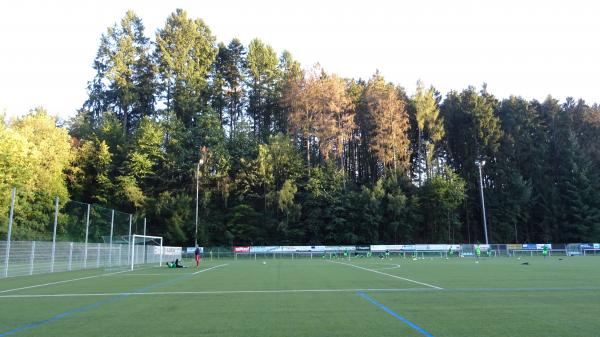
197 254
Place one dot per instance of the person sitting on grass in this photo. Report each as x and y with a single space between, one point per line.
175 264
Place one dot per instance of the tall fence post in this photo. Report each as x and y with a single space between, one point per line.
69 267
54 234
144 254
31 258
10 223
97 255
129 240
112 225
87 230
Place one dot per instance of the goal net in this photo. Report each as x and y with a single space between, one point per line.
146 249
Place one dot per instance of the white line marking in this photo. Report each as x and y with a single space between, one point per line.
64 281
295 291
390 275
218 292
396 266
207 269
70 280
148 274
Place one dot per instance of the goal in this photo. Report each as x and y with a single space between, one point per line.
146 249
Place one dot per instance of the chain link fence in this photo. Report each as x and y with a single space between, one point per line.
55 236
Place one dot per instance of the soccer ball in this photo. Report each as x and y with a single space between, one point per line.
264 262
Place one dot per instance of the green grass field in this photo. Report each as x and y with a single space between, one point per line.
303 297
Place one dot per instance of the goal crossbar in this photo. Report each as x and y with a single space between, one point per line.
146 238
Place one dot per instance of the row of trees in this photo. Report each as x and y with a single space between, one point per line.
295 155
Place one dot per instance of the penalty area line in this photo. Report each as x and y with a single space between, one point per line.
390 275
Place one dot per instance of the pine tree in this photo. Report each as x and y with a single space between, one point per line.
185 52
262 77
387 124
124 81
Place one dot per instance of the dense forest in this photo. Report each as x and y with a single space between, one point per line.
286 154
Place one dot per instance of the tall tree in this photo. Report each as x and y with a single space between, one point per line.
387 124
430 128
228 82
263 74
124 81
472 133
185 51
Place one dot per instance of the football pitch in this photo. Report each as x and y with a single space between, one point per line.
304 297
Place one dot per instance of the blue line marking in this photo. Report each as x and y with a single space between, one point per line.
389 311
89 307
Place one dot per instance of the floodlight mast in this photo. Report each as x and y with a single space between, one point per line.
479 164
200 163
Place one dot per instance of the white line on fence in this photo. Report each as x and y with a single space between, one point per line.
390 275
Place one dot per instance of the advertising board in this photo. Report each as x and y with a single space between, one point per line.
241 249
265 249
168 251
192 250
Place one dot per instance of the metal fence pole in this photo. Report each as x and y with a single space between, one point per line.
87 230
54 234
112 224
70 256
144 254
32 258
10 223
129 240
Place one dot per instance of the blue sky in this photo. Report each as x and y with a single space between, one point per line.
527 48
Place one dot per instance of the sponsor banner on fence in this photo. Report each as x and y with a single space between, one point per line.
536 246
410 248
167 251
514 246
339 248
383 248
286 249
192 250
241 249
265 249
596 245
362 248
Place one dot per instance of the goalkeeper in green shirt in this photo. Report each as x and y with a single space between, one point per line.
477 252
545 251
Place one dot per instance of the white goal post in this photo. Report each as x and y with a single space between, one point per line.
143 239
